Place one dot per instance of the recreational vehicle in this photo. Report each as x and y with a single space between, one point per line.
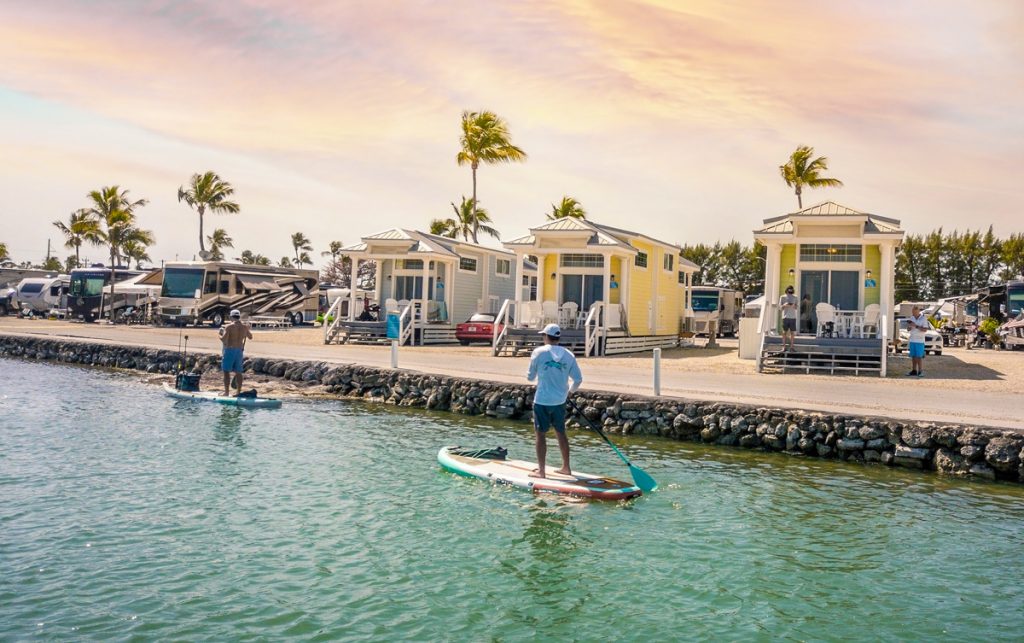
1003 302
199 292
720 305
88 296
38 295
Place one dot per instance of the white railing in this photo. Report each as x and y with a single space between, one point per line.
883 332
331 329
502 321
592 328
406 324
767 312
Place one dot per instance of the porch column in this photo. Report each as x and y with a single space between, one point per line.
449 289
520 271
606 296
772 267
424 294
887 293
353 277
378 287
625 267
541 277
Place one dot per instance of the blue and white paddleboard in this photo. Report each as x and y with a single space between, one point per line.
230 400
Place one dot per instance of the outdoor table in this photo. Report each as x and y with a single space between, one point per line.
846 320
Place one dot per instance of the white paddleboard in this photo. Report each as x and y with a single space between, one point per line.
230 400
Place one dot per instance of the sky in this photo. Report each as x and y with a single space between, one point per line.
340 119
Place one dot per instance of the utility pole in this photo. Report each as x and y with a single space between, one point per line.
47 251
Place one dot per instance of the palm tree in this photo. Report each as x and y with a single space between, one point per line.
285 262
207 191
250 258
300 242
82 227
444 227
469 220
568 208
136 251
116 215
801 170
485 139
4 254
333 251
219 240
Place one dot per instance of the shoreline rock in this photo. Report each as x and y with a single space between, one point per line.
969 451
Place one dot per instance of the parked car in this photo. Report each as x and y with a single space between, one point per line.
478 328
932 341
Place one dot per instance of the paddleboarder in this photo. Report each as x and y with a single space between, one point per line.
551 366
233 338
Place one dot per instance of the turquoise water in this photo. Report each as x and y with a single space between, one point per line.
124 514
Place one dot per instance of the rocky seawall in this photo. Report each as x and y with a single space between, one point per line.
950 449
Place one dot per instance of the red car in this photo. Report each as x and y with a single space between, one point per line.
479 328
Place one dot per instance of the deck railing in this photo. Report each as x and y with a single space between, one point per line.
767 315
592 328
331 329
883 333
502 321
406 325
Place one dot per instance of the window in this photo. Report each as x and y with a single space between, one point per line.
669 262
582 261
503 267
836 253
682 278
181 282
641 260
705 301
408 264
467 264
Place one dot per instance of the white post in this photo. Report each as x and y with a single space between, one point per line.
394 353
657 372
449 291
424 299
886 294
772 270
378 287
518 276
541 278
607 291
352 284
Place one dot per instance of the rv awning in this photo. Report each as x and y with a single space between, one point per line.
257 282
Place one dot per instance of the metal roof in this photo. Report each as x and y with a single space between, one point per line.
874 224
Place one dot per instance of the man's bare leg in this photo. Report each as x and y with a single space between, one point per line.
238 383
542 452
227 383
563 446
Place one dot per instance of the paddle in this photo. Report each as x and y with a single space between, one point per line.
642 479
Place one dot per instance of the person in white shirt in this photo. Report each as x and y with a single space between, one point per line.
917 324
552 366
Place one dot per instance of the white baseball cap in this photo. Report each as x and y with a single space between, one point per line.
552 330
236 314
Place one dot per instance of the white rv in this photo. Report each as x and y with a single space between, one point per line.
721 305
39 295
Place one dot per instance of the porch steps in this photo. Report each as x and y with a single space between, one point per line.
356 332
521 342
822 355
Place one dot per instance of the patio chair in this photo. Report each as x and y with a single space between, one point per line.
567 314
826 319
614 312
390 305
870 320
549 312
530 316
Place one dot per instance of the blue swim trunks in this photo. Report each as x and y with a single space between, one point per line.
231 362
916 349
545 417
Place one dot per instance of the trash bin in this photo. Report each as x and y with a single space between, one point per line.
749 338
393 326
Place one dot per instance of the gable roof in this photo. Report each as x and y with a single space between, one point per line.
600 235
873 223
420 243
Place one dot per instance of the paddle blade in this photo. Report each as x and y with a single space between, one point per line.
646 483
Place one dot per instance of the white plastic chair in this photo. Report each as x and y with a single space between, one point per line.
391 305
549 312
530 316
872 312
567 314
826 315
614 312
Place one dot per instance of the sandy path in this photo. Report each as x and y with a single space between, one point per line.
975 387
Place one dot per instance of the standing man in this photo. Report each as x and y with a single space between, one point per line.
917 324
788 305
552 366
233 338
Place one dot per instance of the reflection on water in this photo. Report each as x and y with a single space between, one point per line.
333 521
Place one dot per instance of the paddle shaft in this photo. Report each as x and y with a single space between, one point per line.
598 430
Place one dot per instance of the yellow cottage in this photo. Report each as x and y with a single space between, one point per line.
611 290
841 265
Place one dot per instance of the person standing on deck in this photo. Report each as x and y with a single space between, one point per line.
551 366
233 338
788 305
917 325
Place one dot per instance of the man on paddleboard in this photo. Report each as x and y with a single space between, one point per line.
552 366
233 338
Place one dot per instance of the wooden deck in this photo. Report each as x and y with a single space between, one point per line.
822 355
376 332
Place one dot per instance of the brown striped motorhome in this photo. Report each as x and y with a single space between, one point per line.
197 292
